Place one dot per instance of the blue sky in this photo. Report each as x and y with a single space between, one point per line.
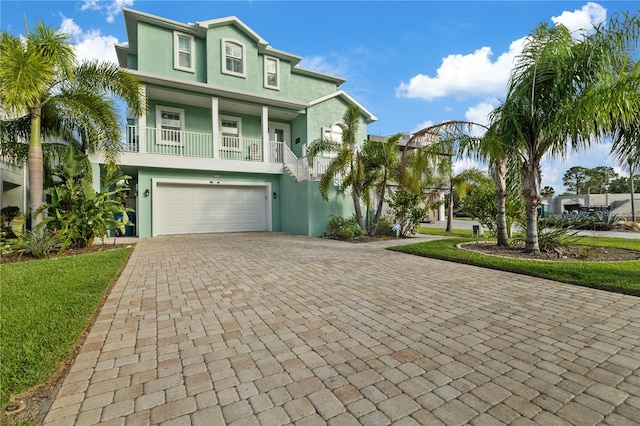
412 64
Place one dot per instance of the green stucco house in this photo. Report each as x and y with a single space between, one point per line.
221 147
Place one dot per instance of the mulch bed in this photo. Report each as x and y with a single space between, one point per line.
25 257
568 253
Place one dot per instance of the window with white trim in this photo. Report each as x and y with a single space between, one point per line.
231 131
170 125
271 72
183 46
334 134
233 58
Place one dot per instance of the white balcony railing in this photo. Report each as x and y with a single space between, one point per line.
193 144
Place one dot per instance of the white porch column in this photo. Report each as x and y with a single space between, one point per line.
142 124
215 126
441 212
265 135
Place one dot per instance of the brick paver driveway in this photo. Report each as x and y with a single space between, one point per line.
273 329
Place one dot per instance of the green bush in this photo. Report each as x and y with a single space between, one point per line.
344 228
385 227
552 233
407 211
40 242
77 212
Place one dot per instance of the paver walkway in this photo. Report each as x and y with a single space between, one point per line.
273 329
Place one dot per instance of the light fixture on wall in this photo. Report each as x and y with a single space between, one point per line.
275 195
147 192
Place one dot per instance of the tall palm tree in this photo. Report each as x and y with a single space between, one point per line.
347 162
44 91
380 164
563 94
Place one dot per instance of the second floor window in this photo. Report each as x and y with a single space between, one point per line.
233 58
183 47
271 73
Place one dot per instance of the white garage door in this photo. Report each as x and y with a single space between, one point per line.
195 209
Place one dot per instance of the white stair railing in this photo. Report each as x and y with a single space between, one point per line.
297 166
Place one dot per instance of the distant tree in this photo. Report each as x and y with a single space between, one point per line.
598 178
547 191
621 184
575 179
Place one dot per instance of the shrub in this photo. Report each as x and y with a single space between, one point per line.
385 227
407 211
552 233
345 228
77 212
40 242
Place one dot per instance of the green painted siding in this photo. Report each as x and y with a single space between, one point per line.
325 114
298 130
303 211
155 54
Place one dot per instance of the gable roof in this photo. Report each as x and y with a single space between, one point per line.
349 99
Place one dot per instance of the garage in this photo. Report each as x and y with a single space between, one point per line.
197 208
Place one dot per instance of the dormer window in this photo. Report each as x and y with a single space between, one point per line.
271 73
233 58
183 51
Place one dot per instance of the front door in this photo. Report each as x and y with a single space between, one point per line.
278 132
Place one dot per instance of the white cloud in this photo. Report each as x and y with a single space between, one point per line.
111 8
581 20
321 64
422 125
466 163
479 113
462 75
91 44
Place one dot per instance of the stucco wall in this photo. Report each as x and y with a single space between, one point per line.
620 204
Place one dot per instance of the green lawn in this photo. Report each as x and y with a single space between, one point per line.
621 277
45 307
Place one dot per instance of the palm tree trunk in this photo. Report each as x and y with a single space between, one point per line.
358 209
500 180
531 192
36 170
376 218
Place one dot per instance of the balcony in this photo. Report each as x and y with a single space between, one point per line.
200 145
175 143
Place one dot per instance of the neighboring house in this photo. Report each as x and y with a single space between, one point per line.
14 185
432 195
221 148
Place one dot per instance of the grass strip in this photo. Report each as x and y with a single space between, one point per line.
46 305
623 276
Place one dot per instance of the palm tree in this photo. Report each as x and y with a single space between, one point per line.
547 191
44 92
347 162
563 94
380 164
